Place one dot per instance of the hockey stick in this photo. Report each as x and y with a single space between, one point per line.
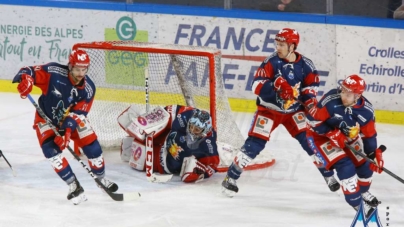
5 159
382 148
114 196
151 177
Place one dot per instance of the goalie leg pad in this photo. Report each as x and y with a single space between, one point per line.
138 155
126 148
126 121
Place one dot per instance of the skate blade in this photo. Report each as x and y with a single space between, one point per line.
77 200
228 192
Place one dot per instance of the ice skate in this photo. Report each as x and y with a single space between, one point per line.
370 199
229 187
112 187
332 183
76 193
368 210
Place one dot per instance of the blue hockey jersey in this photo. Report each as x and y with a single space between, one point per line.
301 75
58 90
205 150
359 119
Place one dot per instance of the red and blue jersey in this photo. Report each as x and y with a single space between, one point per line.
59 92
330 114
204 150
301 75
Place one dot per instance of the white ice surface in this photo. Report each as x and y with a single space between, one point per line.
291 193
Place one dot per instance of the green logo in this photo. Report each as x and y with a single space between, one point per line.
126 28
124 67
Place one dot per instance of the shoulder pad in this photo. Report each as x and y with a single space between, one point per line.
329 96
309 63
57 69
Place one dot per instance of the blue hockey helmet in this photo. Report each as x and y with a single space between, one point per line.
199 125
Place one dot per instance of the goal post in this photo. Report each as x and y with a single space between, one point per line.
177 74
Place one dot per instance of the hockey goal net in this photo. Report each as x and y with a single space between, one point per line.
177 74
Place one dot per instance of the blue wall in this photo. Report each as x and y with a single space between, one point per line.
215 12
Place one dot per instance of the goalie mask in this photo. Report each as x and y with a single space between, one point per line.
199 125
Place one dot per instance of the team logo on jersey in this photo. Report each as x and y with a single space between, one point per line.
286 104
338 117
291 75
73 93
350 131
58 111
57 93
173 147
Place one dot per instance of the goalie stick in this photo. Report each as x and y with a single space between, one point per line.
5 159
382 148
114 196
150 175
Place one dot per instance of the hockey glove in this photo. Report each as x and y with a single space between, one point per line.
377 156
283 88
194 171
310 103
63 140
25 85
337 138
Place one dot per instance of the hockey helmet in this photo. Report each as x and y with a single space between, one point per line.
288 35
79 58
199 125
354 84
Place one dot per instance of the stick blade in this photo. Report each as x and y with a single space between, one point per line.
131 196
159 178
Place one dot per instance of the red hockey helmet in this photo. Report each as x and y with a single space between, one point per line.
79 58
354 84
288 35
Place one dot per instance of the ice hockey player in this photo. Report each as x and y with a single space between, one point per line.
344 116
66 99
282 78
184 141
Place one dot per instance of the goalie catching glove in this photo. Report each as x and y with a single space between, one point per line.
194 171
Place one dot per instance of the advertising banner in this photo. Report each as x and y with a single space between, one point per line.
37 35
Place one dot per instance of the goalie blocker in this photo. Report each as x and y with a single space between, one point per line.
184 141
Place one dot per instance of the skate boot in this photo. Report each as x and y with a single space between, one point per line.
229 187
368 210
112 187
370 199
332 183
76 193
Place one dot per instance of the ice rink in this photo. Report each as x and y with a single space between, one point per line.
291 193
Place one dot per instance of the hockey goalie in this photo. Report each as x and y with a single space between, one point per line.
184 141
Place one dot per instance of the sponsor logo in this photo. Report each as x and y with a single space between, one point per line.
137 152
142 121
262 126
126 28
180 121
